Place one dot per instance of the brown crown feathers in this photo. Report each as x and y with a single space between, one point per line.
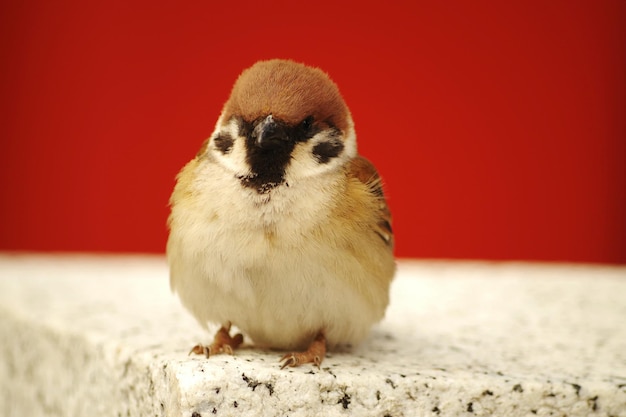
289 91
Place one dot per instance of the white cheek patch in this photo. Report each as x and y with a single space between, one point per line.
324 152
349 142
228 149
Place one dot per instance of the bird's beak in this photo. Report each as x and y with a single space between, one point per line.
269 133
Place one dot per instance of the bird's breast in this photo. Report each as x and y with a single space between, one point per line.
275 265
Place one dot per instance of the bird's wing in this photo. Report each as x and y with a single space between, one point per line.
363 170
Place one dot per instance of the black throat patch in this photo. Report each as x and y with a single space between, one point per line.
269 162
268 166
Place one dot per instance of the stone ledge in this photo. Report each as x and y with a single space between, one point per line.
103 336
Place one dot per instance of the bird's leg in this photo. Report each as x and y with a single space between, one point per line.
314 354
222 343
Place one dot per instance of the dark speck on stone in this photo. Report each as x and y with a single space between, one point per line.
518 388
196 414
344 401
593 403
577 388
251 382
470 407
390 382
214 411
487 392
436 410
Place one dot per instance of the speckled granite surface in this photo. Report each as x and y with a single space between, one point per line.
103 336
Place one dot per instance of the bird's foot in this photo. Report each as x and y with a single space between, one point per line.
314 354
222 343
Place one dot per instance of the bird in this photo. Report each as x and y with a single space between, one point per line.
277 225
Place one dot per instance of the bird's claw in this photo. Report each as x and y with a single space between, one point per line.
222 343
298 358
314 354
199 350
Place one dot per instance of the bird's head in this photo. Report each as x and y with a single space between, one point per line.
282 122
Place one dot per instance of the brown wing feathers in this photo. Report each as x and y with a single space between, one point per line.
364 171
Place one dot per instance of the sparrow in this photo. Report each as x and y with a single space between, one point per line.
278 226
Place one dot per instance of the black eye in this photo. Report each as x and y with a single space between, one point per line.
307 124
305 130
245 127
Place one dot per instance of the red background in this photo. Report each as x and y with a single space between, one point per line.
498 127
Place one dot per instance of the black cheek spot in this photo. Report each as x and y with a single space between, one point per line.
224 143
325 151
